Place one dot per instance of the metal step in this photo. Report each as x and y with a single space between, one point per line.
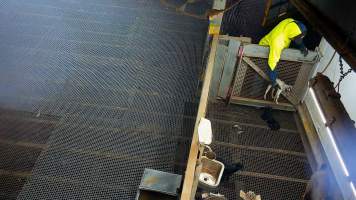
265 161
22 139
43 187
22 127
249 115
11 184
257 136
275 164
268 187
18 158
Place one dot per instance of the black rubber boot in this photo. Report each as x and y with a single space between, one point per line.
268 117
230 170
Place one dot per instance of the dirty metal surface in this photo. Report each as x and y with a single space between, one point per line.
163 182
100 90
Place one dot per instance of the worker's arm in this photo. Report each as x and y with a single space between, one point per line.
272 75
273 58
275 51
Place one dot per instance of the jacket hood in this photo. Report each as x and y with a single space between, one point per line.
292 30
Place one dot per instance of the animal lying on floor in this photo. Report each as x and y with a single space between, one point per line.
281 86
249 195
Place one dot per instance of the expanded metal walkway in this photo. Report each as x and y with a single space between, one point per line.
91 93
94 91
275 164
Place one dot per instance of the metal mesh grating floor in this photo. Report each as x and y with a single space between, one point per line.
245 19
275 164
92 92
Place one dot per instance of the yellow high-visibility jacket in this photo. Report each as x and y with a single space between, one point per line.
278 39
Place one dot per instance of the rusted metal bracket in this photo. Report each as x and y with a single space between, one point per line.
331 121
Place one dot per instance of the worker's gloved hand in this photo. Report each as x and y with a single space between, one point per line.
304 51
272 74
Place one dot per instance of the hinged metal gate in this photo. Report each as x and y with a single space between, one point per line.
240 73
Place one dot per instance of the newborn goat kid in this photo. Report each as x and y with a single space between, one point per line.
281 86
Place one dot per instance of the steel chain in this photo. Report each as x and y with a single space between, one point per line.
342 73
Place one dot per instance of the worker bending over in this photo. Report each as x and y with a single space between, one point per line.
280 38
